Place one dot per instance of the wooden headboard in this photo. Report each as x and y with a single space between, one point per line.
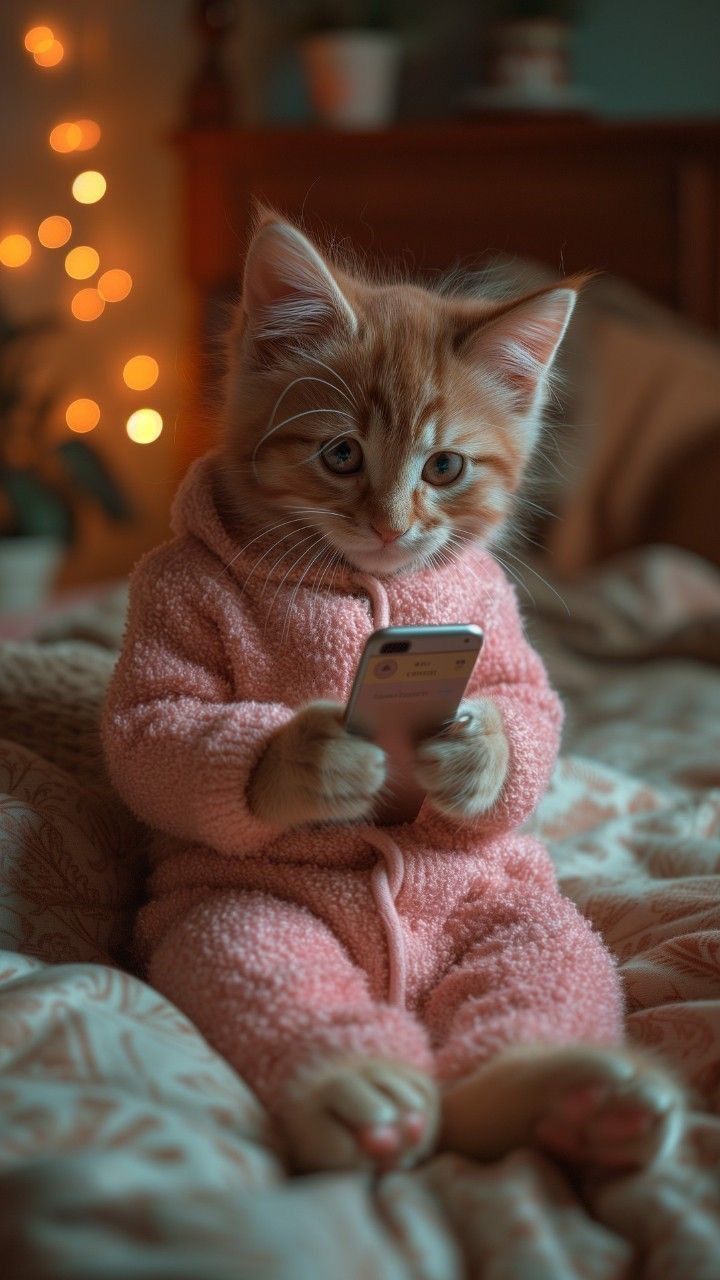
641 201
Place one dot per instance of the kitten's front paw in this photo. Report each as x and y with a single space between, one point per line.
463 769
361 1113
315 771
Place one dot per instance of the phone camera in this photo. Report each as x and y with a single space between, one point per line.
395 646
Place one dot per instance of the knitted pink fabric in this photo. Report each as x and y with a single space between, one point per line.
436 942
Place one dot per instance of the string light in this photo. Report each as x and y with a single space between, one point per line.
89 187
140 372
87 304
115 285
90 134
37 38
82 262
54 231
14 250
82 415
48 55
144 425
74 135
65 137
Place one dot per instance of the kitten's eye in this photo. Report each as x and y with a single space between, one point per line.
443 468
344 458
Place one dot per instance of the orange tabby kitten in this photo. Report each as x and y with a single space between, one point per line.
306 325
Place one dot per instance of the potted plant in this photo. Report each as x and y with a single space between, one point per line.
43 482
351 56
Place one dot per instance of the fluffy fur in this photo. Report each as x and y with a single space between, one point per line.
372 985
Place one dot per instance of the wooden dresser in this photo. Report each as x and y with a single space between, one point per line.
638 200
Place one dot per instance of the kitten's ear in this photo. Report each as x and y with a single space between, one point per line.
520 345
288 290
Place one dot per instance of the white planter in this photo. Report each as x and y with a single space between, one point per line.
27 569
352 76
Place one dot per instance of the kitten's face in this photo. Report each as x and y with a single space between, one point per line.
392 425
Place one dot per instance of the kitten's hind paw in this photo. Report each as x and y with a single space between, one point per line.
614 1125
361 1113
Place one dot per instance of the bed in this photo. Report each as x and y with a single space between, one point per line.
129 1148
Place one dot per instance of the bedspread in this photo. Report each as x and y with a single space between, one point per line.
129 1148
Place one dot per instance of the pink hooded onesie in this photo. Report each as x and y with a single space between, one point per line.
437 942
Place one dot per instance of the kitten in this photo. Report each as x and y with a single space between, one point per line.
382 989
413 488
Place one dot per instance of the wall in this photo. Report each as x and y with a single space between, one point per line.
644 58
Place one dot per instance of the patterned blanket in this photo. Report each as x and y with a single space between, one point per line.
128 1148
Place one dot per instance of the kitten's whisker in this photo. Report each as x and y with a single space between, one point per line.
323 566
298 584
286 390
288 551
342 435
270 549
293 418
307 413
323 511
462 546
546 458
291 534
334 558
313 538
515 576
288 613
261 534
533 541
539 576
335 374
526 502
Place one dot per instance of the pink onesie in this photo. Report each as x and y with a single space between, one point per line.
437 942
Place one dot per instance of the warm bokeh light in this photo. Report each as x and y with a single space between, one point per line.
89 134
75 135
87 304
140 372
115 285
37 38
54 231
65 137
89 187
48 55
82 262
144 425
82 415
14 250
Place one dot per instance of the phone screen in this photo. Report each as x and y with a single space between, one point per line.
403 696
414 678
405 691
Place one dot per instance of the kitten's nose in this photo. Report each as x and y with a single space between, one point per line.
387 534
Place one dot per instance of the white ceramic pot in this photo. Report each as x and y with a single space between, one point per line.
353 76
27 569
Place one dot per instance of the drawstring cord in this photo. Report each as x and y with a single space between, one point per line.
378 598
386 881
389 871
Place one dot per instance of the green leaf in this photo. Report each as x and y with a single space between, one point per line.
36 508
93 478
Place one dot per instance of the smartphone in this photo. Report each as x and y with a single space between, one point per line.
409 684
